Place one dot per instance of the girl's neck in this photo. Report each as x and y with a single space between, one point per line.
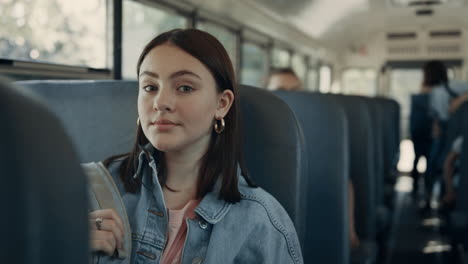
182 170
182 173
181 181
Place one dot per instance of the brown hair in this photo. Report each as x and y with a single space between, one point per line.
284 70
275 71
224 152
435 73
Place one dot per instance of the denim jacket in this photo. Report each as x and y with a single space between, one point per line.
255 230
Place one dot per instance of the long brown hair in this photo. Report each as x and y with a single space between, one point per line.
224 151
435 73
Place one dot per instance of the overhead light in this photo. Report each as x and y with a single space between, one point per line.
406 3
426 3
445 34
424 12
401 36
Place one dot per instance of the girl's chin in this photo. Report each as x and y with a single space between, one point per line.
164 146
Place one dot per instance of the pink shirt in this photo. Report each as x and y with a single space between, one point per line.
177 232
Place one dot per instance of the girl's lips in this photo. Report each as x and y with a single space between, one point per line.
164 125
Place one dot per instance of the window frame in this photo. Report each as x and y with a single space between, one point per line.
114 32
264 48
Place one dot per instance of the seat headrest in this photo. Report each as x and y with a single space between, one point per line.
99 116
43 190
273 147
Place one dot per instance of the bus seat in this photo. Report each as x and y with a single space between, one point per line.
459 217
274 150
362 175
391 147
377 118
393 109
43 190
99 116
377 113
325 129
454 129
361 163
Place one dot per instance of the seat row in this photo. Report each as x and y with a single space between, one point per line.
458 217
304 148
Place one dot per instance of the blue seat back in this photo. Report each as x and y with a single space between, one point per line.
376 111
462 198
274 150
99 116
362 162
392 138
325 129
43 190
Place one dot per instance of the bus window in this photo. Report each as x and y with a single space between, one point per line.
299 66
325 79
280 58
312 79
360 82
53 31
254 64
451 73
403 83
225 36
141 23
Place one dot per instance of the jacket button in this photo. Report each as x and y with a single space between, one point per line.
202 224
160 214
197 260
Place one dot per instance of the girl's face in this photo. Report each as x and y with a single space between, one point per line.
178 100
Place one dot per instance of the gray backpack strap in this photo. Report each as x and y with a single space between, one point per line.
107 196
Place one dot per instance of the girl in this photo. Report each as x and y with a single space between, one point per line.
442 93
182 187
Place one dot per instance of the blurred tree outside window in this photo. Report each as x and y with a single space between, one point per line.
280 58
141 23
254 64
404 83
360 82
54 31
312 80
325 79
299 66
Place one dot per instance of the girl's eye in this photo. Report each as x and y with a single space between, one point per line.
150 88
185 89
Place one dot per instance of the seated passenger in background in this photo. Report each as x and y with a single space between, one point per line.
184 186
287 80
457 102
283 79
451 161
443 92
450 170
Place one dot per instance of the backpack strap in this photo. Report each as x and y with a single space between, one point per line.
107 196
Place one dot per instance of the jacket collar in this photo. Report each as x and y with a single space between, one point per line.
211 209
146 153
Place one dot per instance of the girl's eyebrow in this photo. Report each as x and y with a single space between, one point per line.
152 74
173 75
184 72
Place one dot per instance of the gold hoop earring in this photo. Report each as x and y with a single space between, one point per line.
219 128
138 121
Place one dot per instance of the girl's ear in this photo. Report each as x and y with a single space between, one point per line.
225 100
